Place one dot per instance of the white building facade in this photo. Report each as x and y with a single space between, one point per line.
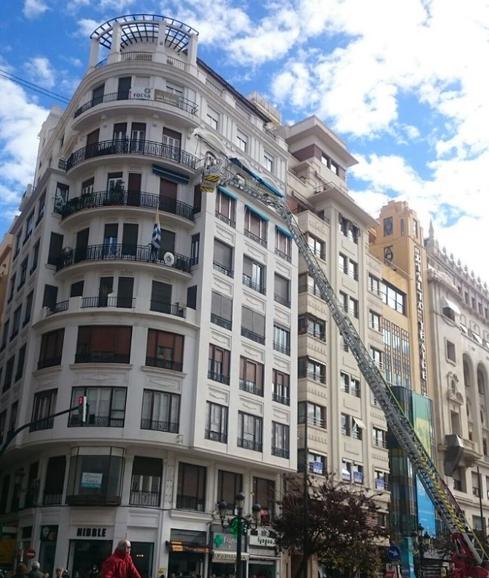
187 354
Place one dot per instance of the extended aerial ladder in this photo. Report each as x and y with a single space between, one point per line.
471 557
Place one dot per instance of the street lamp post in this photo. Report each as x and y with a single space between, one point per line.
238 524
422 541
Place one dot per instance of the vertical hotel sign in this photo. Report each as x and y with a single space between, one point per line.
418 275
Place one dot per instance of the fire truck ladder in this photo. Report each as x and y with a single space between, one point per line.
397 421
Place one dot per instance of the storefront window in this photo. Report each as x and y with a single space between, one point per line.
84 554
94 480
188 550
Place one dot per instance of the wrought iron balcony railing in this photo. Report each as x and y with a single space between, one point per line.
122 252
139 498
155 425
122 198
251 387
164 363
156 96
250 444
148 148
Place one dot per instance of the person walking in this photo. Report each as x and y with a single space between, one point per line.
120 564
35 570
20 571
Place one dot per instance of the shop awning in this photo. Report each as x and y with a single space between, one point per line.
176 546
170 175
284 231
227 192
258 213
263 182
451 305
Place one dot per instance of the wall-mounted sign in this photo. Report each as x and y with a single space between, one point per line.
93 532
418 276
262 537
91 480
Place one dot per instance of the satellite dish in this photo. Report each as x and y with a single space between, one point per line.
169 259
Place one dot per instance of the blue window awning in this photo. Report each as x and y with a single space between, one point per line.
170 175
263 182
284 231
227 192
258 213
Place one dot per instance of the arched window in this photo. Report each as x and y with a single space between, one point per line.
466 372
481 380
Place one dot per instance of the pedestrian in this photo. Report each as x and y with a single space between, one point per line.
120 564
36 570
20 571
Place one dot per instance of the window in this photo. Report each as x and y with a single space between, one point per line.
229 485
9 370
146 482
40 207
35 257
18 243
226 208
103 344
29 226
374 320
216 428
379 437
242 141
212 118
393 297
161 298
255 226
28 308
165 349
16 322
12 287
254 275
308 285
5 334
357 471
250 432
374 284
4 494
348 266
95 480
251 376
219 363
381 480
44 406
191 487
50 297
281 339
106 406
264 494
317 246
281 387
55 248
223 258
350 384
388 226
192 297
349 304
311 369
51 348
3 425
376 355
161 411
316 464
20 363
313 326
283 243
348 229
316 414
197 199
194 249
282 290
23 272
280 440
268 161
252 325
351 426
222 310
451 351
13 416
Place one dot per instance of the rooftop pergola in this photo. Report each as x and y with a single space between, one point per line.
144 28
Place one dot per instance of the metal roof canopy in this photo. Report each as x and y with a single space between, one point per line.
144 28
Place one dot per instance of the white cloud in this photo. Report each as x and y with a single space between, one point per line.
34 8
41 72
86 26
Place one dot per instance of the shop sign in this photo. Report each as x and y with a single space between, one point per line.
91 480
92 532
263 538
49 533
223 541
140 93
218 556
418 275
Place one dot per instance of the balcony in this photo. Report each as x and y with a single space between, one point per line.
283 255
190 503
282 300
52 499
164 363
250 445
122 252
145 499
281 347
216 436
93 500
169 308
164 426
223 269
147 148
221 321
40 424
108 301
95 421
121 198
280 399
256 238
49 362
148 95
218 376
102 357
252 284
251 387
252 335
280 453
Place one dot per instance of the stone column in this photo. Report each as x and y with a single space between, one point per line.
192 53
160 52
94 53
115 49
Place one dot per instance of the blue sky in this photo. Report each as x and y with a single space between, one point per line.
401 82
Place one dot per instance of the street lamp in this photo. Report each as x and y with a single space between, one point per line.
238 524
422 541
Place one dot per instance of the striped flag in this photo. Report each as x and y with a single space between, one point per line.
156 236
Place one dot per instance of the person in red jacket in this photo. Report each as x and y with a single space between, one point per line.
120 564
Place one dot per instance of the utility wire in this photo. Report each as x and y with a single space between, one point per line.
33 87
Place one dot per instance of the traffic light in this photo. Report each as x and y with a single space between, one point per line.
83 408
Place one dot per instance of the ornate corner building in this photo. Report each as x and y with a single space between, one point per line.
186 350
